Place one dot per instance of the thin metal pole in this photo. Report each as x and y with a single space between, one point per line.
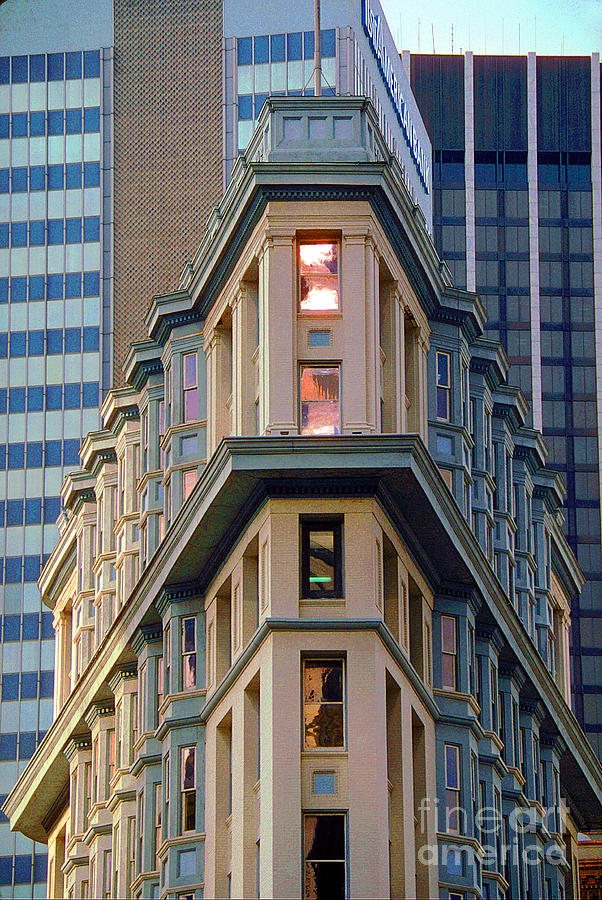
317 51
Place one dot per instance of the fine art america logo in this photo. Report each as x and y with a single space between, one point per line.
373 26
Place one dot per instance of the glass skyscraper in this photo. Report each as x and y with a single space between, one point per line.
55 293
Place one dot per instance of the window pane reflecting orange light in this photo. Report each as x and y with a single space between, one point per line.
319 272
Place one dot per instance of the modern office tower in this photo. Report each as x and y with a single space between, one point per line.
55 292
518 216
293 656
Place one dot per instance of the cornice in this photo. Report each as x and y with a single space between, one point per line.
146 634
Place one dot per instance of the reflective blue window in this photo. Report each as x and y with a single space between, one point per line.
3 181
37 67
71 450
54 396
91 284
91 339
16 456
56 178
294 44
18 290
19 125
3 467
33 510
262 49
55 287
4 125
91 174
10 686
4 69
91 63
259 101
31 572
46 685
35 398
19 180
14 512
27 746
308 45
35 343
18 234
29 685
3 235
52 453
73 64
11 628
1 512
8 750
277 47
73 121
72 396
19 69
73 285
73 175
90 395
73 337
36 287
55 121
3 346
92 119
17 343
52 510
3 396
23 863
13 566
245 107
244 51
37 124
34 454
37 234
3 290
55 231
91 228
56 66
73 231
16 399
54 341
37 178
328 43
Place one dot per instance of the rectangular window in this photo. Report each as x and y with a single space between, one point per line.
160 688
448 653
158 809
188 653
321 559
323 703
452 789
443 386
188 788
324 854
189 478
320 400
190 387
319 277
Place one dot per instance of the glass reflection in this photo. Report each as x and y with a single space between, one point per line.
319 277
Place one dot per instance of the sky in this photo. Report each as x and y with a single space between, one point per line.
554 27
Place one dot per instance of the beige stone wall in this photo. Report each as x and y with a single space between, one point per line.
168 149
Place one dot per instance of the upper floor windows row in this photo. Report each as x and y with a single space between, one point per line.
52 396
281 47
53 122
50 178
52 231
50 287
50 66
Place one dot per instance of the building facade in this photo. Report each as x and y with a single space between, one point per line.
296 654
518 199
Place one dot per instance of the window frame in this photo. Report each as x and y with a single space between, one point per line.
449 653
188 653
306 814
317 240
190 390
315 364
441 387
324 660
321 524
190 790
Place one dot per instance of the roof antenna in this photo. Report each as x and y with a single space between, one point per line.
317 51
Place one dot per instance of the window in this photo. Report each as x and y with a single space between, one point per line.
323 712
158 837
189 382
443 386
452 788
188 653
321 558
189 481
324 853
318 277
448 653
188 790
320 407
